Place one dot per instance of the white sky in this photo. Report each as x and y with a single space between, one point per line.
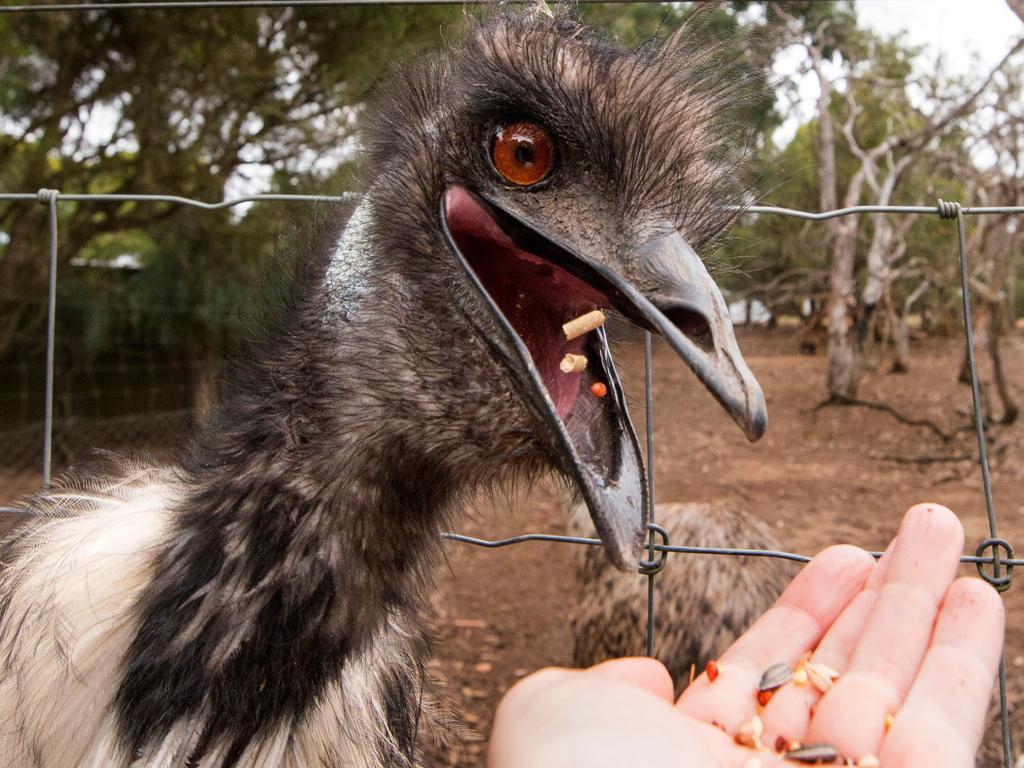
970 35
957 28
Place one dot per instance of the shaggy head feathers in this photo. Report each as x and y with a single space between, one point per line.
646 128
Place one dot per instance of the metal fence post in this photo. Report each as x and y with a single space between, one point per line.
649 403
955 211
48 197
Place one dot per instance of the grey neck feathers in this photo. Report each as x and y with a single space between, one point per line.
311 512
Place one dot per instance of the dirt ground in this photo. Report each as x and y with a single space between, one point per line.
838 475
819 477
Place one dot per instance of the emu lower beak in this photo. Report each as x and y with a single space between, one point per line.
533 283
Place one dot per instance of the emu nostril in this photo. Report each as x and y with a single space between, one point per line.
694 325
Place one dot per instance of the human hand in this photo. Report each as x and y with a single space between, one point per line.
907 640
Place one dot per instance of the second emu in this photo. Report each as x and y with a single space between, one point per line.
702 602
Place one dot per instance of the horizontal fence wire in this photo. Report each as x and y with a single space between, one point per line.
188 5
347 197
523 538
1002 554
683 550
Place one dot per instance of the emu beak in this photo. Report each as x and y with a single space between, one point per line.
688 310
533 283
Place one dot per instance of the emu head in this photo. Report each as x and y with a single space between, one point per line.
519 180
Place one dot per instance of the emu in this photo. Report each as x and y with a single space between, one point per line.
262 602
703 602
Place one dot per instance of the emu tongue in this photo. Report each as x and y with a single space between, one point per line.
531 297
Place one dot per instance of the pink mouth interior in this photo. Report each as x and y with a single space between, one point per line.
535 296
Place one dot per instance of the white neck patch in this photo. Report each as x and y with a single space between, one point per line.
348 272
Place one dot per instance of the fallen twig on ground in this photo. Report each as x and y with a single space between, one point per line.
886 408
925 460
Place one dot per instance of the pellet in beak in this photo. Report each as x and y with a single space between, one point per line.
583 324
573 363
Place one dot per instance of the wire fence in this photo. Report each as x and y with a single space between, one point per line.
220 4
994 557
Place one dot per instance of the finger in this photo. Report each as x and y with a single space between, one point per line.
556 718
642 672
943 718
791 708
788 629
526 688
896 635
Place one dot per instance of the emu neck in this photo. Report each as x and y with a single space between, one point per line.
320 468
309 520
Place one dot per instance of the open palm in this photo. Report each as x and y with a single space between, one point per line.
908 640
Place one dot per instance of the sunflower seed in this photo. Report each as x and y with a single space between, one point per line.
775 676
820 676
813 753
826 670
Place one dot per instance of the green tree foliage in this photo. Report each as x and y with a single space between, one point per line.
175 102
783 261
193 103
189 103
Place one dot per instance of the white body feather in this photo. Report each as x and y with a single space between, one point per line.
72 589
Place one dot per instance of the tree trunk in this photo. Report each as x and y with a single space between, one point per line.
901 331
879 265
979 321
843 355
964 377
1010 408
1010 286
901 328
843 351
1000 304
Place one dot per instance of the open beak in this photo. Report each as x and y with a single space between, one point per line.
534 284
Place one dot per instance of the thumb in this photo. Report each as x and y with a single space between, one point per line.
640 671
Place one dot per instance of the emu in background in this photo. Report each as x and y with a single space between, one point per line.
702 602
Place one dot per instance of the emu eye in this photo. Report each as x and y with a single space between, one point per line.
523 153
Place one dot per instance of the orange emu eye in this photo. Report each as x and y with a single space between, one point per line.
523 153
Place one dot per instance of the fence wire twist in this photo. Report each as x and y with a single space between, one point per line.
1001 557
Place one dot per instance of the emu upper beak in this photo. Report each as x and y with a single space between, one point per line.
533 283
688 310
